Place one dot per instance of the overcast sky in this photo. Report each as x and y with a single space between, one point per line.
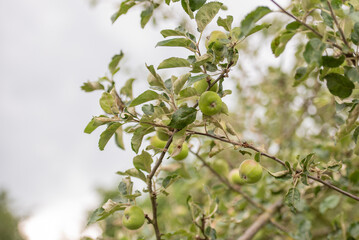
47 50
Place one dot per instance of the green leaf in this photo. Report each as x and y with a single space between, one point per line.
175 42
180 82
258 28
113 66
339 85
119 138
127 88
107 134
280 42
96 122
206 13
292 199
313 51
133 172
174 62
302 74
154 79
281 174
183 117
146 15
332 62
125 6
186 7
105 211
92 86
137 137
188 92
288 166
169 180
143 161
355 134
355 34
211 232
329 202
306 162
226 23
171 33
196 4
108 103
146 96
257 157
293 26
249 21
193 79
352 73
328 20
354 230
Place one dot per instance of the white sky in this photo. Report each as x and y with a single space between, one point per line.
47 50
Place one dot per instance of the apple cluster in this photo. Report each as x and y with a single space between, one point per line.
248 172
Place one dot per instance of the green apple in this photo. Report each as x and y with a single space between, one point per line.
216 39
183 153
156 142
221 167
250 171
133 217
162 134
202 85
234 177
210 103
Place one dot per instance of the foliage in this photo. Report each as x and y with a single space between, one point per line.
299 124
9 222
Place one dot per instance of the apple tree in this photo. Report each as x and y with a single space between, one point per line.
225 155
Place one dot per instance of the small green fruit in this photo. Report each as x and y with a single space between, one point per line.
156 142
133 217
162 134
234 177
182 155
210 103
250 171
201 86
215 37
221 167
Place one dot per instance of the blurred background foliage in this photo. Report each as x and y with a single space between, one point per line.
9 222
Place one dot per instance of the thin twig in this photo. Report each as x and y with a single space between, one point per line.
249 146
334 187
336 23
153 194
310 28
260 221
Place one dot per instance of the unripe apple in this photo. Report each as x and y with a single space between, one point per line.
183 153
221 167
215 37
133 217
250 171
202 85
234 177
156 142
210 103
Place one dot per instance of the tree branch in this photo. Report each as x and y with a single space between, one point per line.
336 23
348 55
247 145
153 194
237 190
260 221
